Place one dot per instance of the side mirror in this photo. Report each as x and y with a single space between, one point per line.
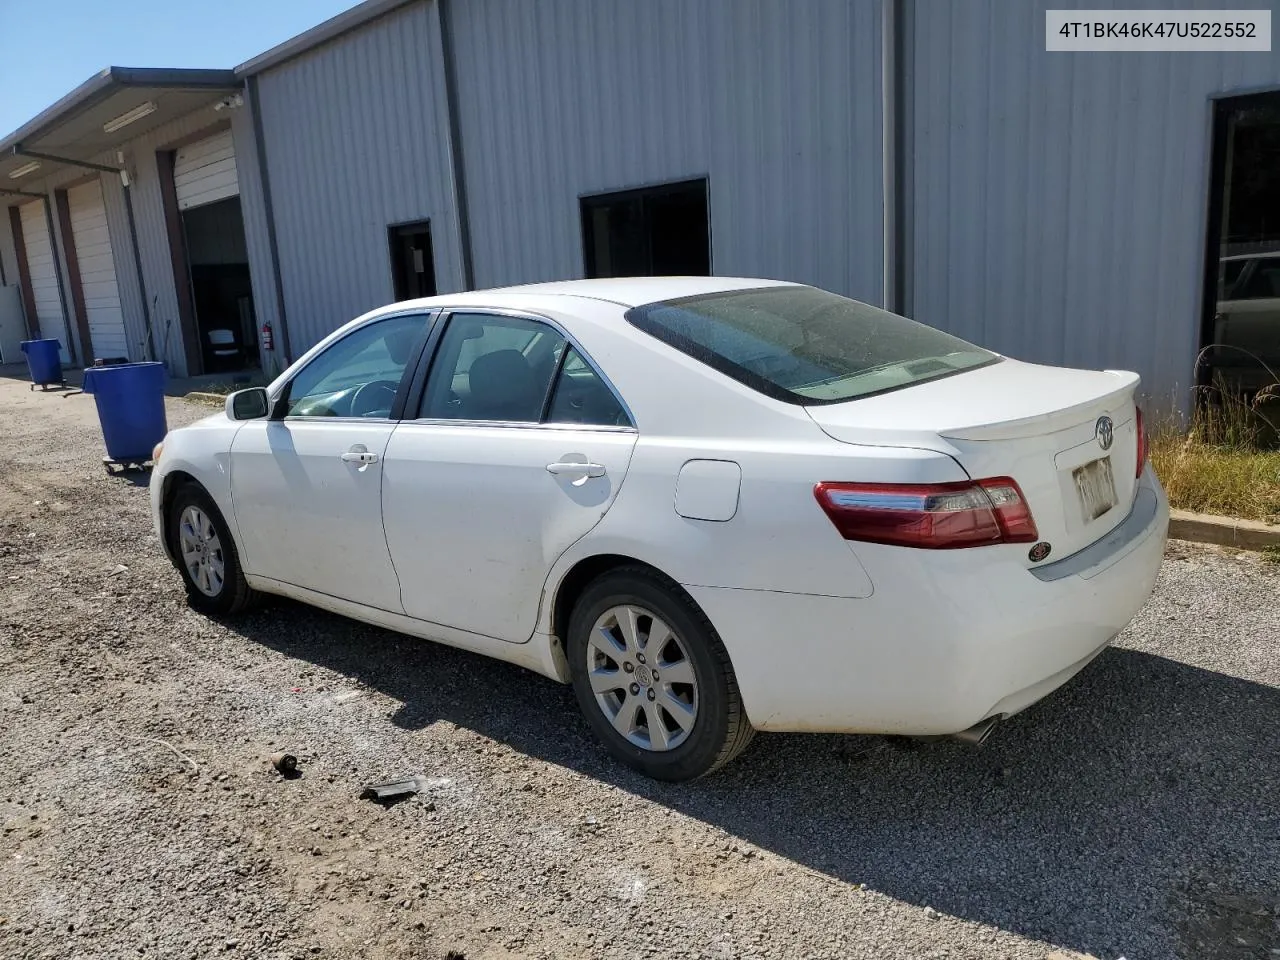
251 404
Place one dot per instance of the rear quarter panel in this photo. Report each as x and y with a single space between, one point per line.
779 539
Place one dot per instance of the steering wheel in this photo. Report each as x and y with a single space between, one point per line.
374 397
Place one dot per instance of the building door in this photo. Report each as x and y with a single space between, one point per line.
412 268
97 270
218 266
208 193
205 171
44 275
1242 283
651 232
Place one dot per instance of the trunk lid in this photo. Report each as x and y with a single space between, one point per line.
1039 425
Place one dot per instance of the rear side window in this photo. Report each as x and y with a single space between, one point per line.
492 368
807 346
580 396
505 369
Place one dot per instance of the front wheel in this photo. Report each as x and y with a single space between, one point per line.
652 677
205 554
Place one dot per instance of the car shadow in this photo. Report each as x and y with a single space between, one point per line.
1137 810
134 476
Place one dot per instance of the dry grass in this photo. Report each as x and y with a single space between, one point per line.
1214 479
1225 464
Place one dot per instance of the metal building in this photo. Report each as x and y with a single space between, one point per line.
929 156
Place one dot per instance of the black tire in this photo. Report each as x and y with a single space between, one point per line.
720 729
235 594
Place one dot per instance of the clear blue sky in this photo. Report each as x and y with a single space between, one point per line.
49 47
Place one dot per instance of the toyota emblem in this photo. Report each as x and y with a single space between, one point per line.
1106 432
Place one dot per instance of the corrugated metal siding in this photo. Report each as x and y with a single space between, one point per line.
253 210
356 139
127 276
1060 198
779 104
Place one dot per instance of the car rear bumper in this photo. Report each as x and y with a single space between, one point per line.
947 639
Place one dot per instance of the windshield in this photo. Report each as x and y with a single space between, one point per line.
805 345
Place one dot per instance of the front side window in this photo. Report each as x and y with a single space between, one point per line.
359 375
514 370
806 346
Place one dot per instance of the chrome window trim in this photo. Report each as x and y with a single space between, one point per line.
446 314
338 420
519 425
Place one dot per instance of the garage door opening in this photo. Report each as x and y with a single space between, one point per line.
1241 332
218 264
651 232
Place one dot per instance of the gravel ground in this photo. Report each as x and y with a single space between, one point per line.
1135 813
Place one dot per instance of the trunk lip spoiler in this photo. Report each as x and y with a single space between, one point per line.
1031 426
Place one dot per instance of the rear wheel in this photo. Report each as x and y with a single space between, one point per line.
205 554
652 677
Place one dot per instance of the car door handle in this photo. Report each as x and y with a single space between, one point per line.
560 468
359 456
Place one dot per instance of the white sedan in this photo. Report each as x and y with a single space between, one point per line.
713 505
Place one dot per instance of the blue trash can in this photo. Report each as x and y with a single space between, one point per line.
130 399
43 362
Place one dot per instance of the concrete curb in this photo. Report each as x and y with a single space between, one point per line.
1225 531
208 399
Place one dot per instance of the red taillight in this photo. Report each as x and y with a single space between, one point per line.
934 516
1141 426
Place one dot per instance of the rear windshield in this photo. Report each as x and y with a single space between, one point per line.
805 345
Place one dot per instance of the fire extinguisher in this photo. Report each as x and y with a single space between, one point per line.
268 338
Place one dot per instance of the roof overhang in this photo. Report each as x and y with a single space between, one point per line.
102 114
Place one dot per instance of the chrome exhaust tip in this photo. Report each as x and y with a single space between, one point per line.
978 733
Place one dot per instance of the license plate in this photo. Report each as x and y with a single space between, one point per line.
1096 486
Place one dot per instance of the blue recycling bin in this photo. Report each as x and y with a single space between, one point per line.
43 362
130 399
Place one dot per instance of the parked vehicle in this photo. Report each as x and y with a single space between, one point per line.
714 505
1246 333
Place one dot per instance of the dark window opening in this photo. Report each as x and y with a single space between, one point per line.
412 267
651 232
218 265
1241 324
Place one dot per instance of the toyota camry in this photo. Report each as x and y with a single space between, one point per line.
712 505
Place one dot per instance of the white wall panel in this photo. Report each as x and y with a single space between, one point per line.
357 139
777 103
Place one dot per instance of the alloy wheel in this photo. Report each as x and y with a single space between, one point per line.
642 677
201 550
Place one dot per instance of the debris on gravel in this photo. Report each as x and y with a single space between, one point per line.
1132 814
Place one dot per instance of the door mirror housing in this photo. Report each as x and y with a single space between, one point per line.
250 404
